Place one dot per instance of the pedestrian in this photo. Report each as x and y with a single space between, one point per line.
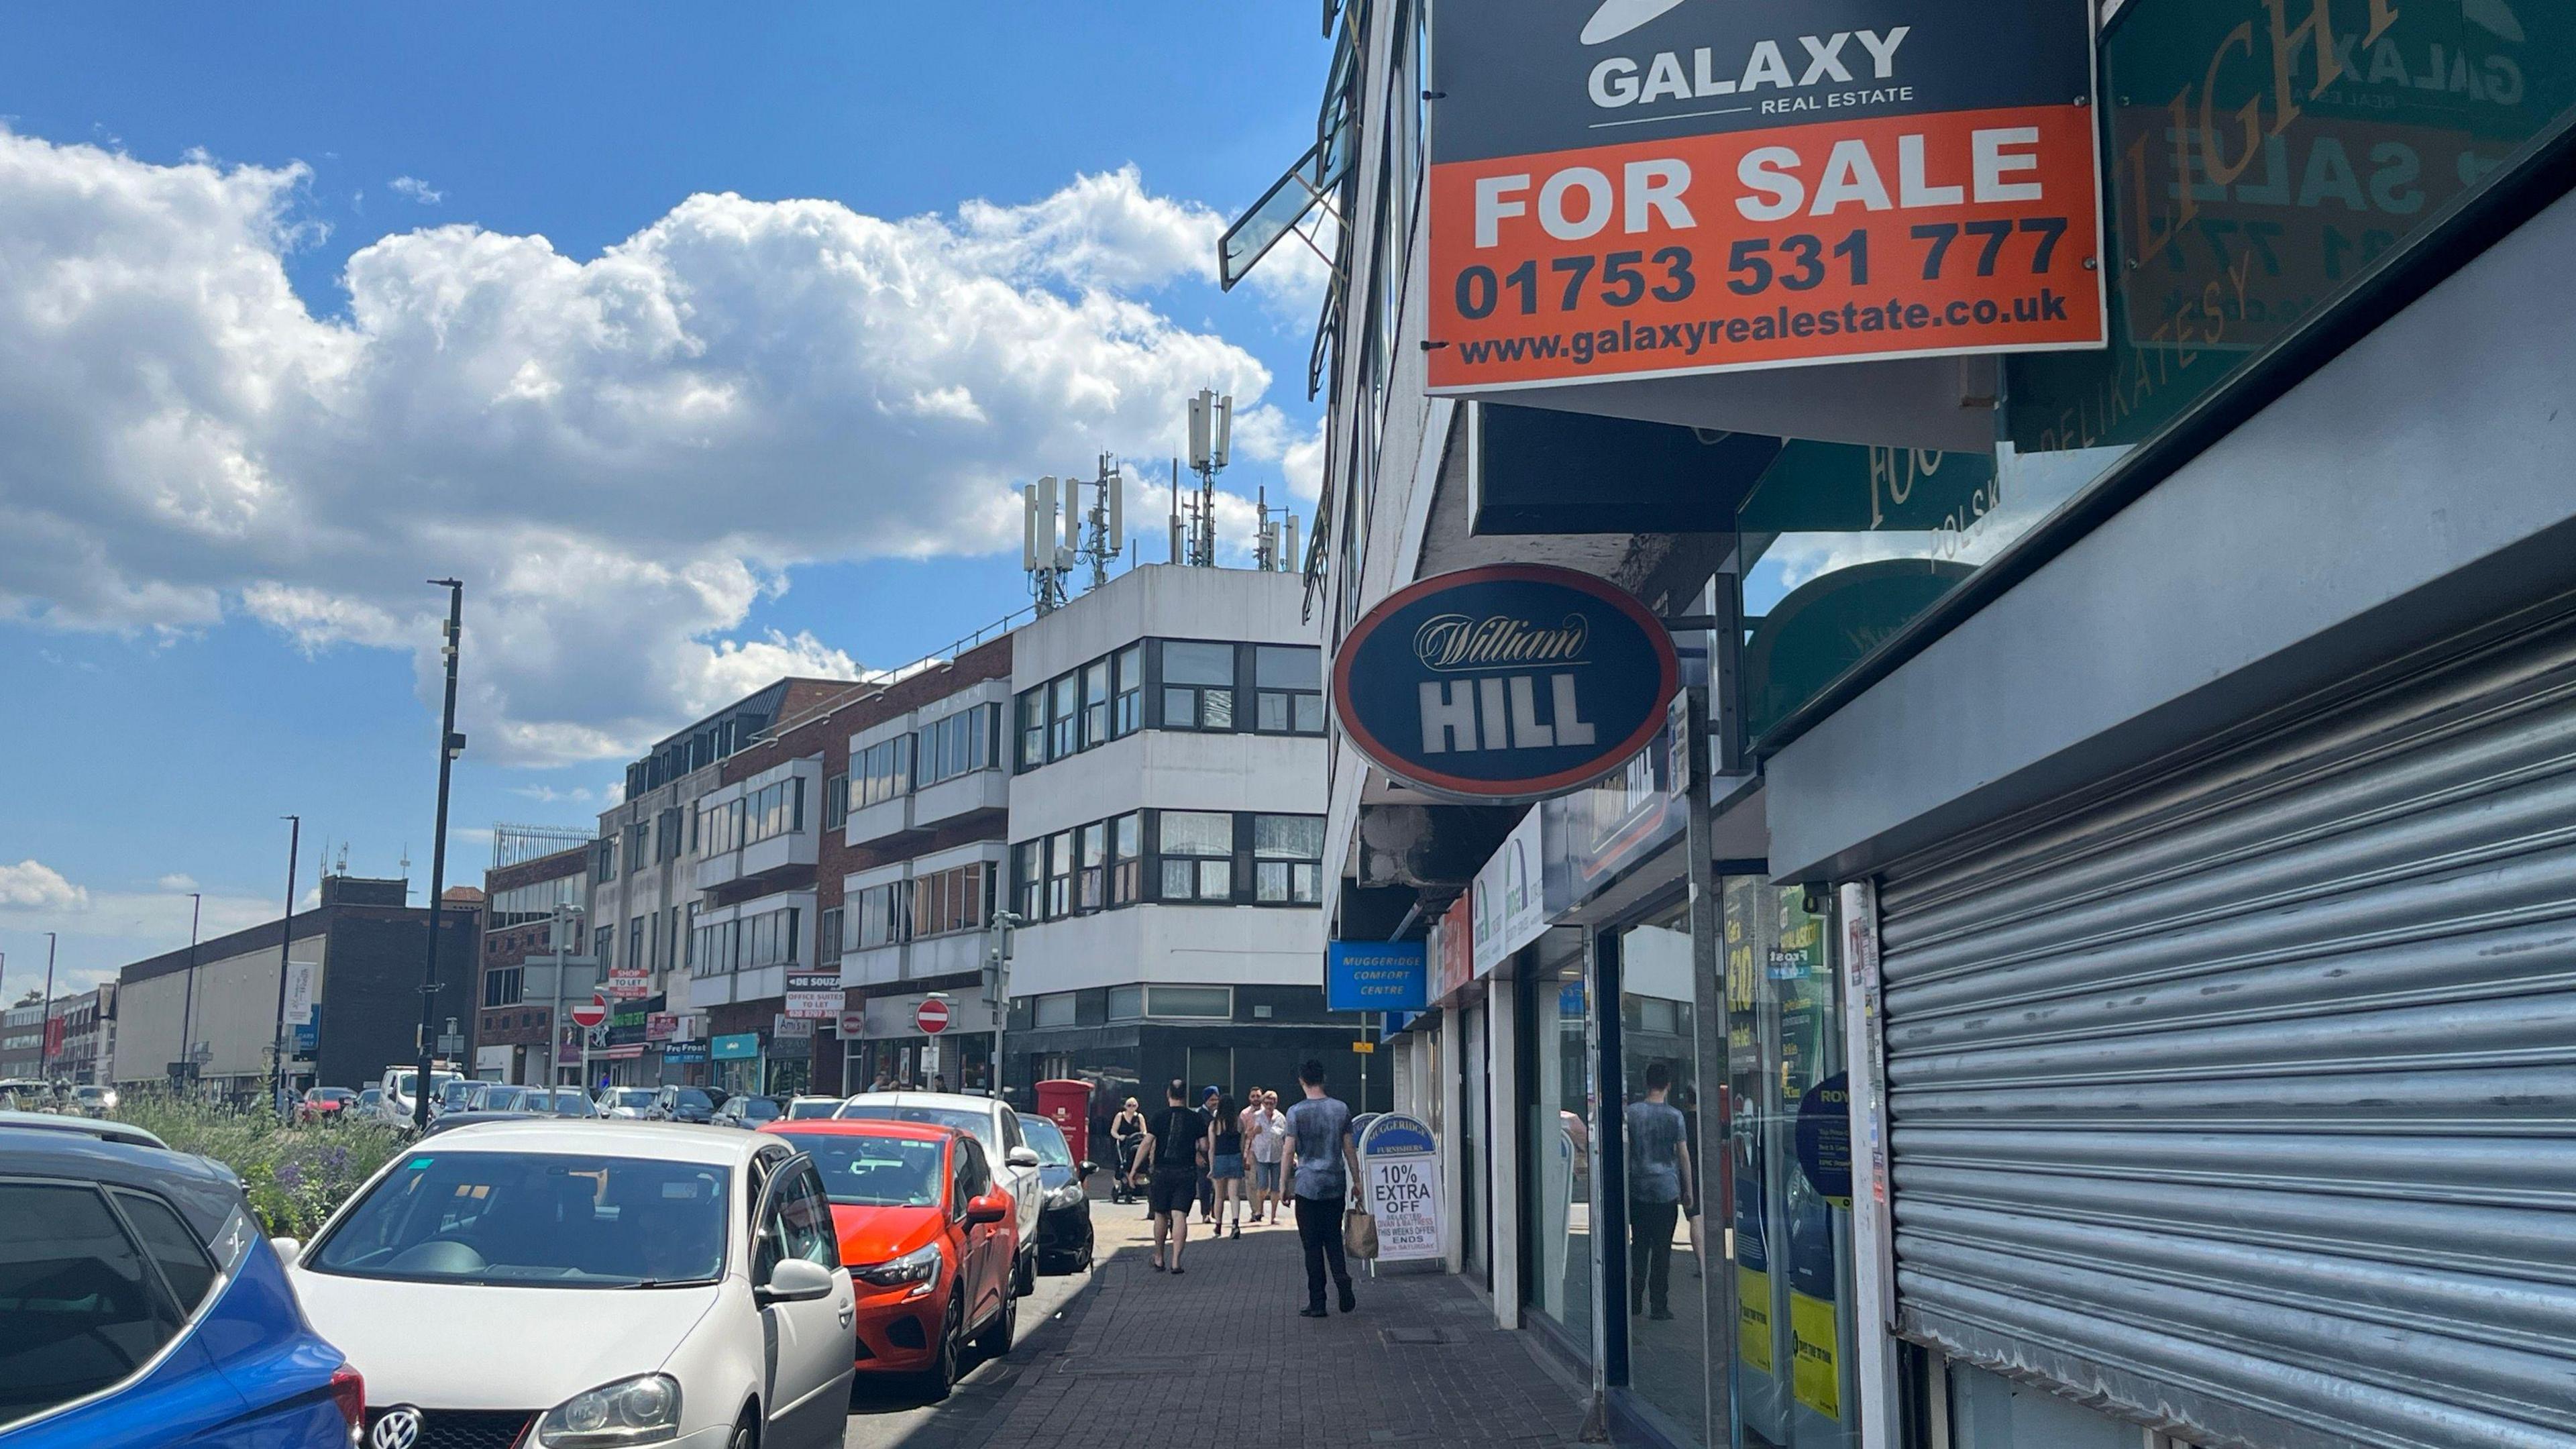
1225 1164
883 1083
1177 1144
1207 1184
1127 1130
1322 1164
1658 1164
1263 1150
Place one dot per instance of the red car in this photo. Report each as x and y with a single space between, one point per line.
324 1104
929 1239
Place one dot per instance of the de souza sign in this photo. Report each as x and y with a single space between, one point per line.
1512 682
1649 188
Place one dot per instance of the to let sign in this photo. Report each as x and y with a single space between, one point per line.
1651 188
1512 682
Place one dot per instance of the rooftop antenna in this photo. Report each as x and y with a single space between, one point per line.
1094 535
1211 435
1265 533
1176 510
1046 560
1108 528
406 872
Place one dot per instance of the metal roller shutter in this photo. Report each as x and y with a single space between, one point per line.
2241 1100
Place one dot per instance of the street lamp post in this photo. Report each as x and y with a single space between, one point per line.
565 914
998 986
285 942
188 1000
45 1018
450 745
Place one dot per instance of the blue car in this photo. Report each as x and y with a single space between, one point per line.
140 1305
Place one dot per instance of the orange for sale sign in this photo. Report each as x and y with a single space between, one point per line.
1686 186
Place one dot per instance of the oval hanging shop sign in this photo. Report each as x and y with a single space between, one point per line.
1511 682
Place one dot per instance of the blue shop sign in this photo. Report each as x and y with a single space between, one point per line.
682 1053
1376 976
1512 682
740 1046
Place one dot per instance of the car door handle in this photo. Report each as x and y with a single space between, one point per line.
848 1312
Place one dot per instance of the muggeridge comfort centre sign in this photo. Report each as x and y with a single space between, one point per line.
1646 188
1511 682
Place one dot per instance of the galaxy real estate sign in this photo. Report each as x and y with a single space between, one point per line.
1651 188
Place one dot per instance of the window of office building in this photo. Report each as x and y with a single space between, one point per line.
1063 722
635 944
638 837
1033 728
1091 885
1126 859
1095 702
1198 685
770 938
1197 847
1059 895
1289 683
501 987
883 914
603 858
1028 872
836 801
1128 712
950 900
827 937
712 949
947 748
719 829
1190 1002
1056 1008
1126 1003
1288 859
773 810
881 772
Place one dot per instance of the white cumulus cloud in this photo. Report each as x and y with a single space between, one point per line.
32 885
417 189
621 456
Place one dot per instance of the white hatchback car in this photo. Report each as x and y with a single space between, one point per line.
680 1286
997 1127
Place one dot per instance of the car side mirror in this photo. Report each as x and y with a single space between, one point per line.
1087 1166
795 1280
286 1248
992 1207
1021 1157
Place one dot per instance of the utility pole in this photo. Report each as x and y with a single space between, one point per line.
997 985
45 1019
561 932
450 745
188 1001
285 942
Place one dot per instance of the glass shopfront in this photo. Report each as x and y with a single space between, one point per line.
1668 1275
1788 1134
1558 1149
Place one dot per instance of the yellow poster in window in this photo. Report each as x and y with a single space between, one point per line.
1817 1375
1753 1317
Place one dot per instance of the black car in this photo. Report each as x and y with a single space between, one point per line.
749 1112
685 1104
1064 1212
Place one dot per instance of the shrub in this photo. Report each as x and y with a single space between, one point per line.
295 1175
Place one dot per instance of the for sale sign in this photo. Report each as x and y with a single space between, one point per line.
1650 188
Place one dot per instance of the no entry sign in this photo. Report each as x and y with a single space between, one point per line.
589 1013
1650 188
931 1017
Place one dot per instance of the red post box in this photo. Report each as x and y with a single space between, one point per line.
1068 1106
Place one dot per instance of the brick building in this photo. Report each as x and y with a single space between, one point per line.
517 1028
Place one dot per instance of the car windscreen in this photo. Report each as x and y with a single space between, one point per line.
759 1109
409 1082
569 1102
452 1094
535 1219
962 1118
1049 1141
508 1099
861 1171
813 1107
638 1097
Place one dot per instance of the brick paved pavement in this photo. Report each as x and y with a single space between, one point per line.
1218 1356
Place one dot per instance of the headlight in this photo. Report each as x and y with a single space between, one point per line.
1066 1196
641 1410
921 1265
109 1100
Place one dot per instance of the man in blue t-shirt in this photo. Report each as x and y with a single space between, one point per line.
1322 1164
1658 1169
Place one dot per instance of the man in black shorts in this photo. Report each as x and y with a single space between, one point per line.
1176 1145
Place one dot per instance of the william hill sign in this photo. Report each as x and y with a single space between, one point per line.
1513 682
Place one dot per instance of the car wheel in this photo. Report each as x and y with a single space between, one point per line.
941 1376
996 1339
746 1435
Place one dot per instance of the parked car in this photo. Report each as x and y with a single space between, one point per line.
91 1127
93 1100
323 1104
997 1129
560 1102
800 1109
626 1104
26 1094
748 1111
685 1104
395 1092
734 1327
446 1122
371 1102
1064 1214
140 1307
929 1238
494 1097
452 1095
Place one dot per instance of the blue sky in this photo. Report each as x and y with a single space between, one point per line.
208 620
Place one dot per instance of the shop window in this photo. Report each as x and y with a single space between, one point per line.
1197 847
1668 1276
1055 1009
1190 1002
1126 1003
1559 1107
